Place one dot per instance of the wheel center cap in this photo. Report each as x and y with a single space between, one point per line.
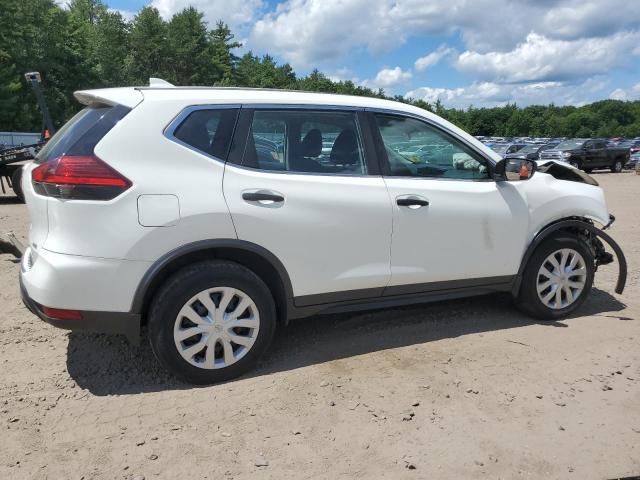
217 328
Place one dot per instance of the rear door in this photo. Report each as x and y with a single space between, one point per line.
299 185
602 154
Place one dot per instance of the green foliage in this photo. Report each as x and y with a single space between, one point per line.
148 48
88 46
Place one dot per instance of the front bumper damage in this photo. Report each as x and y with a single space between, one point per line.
604 258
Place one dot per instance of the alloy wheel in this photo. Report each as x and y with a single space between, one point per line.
216 327
561 278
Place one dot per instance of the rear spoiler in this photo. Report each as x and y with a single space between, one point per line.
128 96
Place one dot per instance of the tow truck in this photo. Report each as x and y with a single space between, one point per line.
13 159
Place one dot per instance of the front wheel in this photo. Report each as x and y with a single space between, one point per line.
211 322
574 163
617 166
557 278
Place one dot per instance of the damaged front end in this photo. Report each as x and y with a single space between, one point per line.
564 171
593 236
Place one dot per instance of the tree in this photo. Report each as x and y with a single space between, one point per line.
111 48
87 46
191 59
149 49
224 61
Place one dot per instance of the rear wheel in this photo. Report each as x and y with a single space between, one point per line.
617 166
16 184
211 322
557 278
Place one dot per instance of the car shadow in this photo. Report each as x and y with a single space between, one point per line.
10 200
109 365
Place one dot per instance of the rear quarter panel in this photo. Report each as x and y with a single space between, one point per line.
137 148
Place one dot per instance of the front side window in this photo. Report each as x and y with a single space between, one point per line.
208 130
305 141
416 149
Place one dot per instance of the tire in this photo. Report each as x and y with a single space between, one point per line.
588 170
16 184
531 302
175 310
575 163
617 166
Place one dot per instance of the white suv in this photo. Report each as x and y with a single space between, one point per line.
210 215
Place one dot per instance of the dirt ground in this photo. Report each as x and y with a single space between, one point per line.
459 389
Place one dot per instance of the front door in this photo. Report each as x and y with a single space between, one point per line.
453 226
303 190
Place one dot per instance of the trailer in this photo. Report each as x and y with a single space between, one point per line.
12 159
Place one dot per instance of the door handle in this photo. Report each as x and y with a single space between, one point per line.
412 202
262 197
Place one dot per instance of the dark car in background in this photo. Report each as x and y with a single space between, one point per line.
532 151
633 161
588 154
632 145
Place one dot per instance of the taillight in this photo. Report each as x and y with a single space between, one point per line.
78 178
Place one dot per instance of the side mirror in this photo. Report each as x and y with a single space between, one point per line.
514 169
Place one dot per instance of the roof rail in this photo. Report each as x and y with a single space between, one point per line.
158 82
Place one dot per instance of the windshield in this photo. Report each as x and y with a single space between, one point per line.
529 149
570 144
500 148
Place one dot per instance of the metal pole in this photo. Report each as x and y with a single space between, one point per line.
34 79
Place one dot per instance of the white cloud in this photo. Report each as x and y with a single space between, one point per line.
488 94
234 12
618 94
388 78
431 59
307 32
632 93
594 18
540 58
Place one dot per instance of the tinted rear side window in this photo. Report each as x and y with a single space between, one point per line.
82 133
208 130
309 141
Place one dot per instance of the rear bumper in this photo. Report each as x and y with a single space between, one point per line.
127 324
101 289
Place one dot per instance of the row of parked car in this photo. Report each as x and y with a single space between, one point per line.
584 153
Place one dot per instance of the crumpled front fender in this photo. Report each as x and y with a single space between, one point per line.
582 225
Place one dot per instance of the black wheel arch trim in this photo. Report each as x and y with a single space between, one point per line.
159 265
547 231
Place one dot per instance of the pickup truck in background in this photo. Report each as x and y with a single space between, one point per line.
588 154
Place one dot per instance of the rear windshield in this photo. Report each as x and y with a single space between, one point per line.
83 132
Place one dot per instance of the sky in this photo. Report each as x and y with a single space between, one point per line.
462 52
